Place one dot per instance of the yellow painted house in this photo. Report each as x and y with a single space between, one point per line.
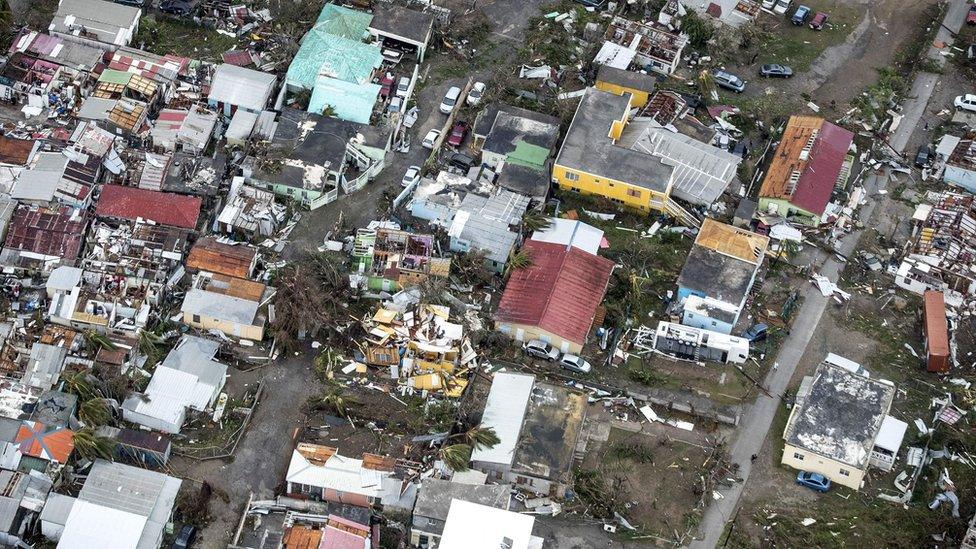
596 159
619 81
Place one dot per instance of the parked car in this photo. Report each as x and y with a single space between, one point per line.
819 21
729 81
411 177
178 7
971 16
134 3
185 538
800 16
814 481
461 161
756 332
592 3
403 86
477 91
386 86
458 133
430 138
450 99
782 6
396 104
769 4
923 156
871 261
391 55
773 70
541 349
965 102
575 363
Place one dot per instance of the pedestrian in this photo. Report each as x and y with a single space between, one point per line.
753 458
926 126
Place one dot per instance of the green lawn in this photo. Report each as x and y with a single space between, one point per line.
797 47
164 35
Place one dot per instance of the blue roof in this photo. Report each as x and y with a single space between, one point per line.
344 22
352 102
334 47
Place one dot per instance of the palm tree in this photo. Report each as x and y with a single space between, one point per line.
707 83
535 220
456 456
91 446
149 343
80 384
521 259
482 437
334 400
94 412
96 341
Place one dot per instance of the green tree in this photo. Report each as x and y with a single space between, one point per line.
535 220
521 259
90 446
94 412
95 341
456 456
80 384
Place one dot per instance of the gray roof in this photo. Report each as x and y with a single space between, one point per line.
45 365
40 182
23 491
64 277
219 306
716 275
486 118
840 416
194 355
54 408
552 425
103 19
511 128
435 495
524 180
588 147
485 222
9 428
242 87
57 508
701 172
406 23
96 108
630 79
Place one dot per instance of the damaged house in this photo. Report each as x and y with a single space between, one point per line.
835 422
312 156
96 23
647 46
517 144
812 159
43 238
250 212
538 425
942 248
960 166
227 305
718 275
434 501
488 224
388 260
234 89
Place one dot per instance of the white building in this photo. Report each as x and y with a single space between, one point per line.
700 345
474 526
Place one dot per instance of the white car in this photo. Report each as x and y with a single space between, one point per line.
411 177
768 4
450 100
782 6
430 138
965 102
402 86
575 363
477 91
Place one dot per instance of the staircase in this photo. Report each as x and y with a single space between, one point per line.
672 208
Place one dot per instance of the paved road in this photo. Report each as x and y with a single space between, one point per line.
755 425
925 82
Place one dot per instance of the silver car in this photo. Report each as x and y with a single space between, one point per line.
541 349
575 363
729 81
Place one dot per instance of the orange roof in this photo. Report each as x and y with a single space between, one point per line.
316 454
732 241
302 537
799 133
936 325
216 257
378 463
234 287
35 440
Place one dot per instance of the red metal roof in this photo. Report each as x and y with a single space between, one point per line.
936 326
34 439
817 181
559 293
58 232
175 210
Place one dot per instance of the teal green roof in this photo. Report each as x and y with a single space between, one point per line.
334 47
344 22
528 155
115 77
352 102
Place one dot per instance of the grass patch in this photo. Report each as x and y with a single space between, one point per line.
164 35
798 47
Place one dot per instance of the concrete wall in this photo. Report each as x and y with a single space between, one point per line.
803 460
526 332
705 322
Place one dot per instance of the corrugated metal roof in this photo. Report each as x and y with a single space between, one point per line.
246 88
508 400
559 292
350 101
165 208
232 260
55 232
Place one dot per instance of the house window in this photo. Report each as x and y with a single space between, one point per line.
845 472
291 190
634 193
196 318
570 176
798 455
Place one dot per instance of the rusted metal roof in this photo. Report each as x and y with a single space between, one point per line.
15 151
217 257
54 232
171 209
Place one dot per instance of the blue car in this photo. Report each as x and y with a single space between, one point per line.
814 481
800 16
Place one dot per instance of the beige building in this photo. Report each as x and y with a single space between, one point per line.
230 305
835 422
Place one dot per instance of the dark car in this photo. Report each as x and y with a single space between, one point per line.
134 3
458 132
814 481
756 332
800 16
592 3
461 161
818 21
185 538
971 16
178 7
923 157
773 70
